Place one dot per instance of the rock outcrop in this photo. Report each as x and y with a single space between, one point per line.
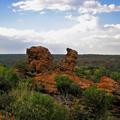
48 81
112 87
108 84
69 61
39 59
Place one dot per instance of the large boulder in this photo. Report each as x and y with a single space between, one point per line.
39 59
69 61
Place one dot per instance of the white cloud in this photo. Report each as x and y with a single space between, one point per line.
69 17
94 7
83 6
39 5
87 36
24 35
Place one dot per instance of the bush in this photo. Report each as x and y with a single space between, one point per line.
98 101
5 85
8 78
79 112
38 106
5 101
99 72
81 71
67 86
80 115
93 73
8 74
115 76
21 65
39 87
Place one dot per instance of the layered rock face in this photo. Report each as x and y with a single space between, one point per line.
69 61
39 59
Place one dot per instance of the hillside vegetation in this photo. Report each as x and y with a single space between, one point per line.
21 100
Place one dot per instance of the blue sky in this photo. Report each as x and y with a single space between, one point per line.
89 26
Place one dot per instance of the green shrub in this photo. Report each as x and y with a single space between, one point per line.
93 73
8 74
5 101
115 76
39 87
80 115
37 106
5 85
67 86
24 87
98 101
99 72
79 112
22 66
81 71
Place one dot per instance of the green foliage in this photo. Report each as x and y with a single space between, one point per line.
8 75
37 106
5 101
93 73
24 70
78 111
5 85
101 71
116 76
21 65
98 101
67 86
39 87
23 88
8 78
81 71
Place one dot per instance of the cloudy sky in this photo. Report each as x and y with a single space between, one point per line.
89 26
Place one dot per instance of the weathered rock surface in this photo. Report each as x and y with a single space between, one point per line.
39 59
69 61
108 84
48 81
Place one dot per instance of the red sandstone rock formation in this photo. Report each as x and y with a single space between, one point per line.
48 81
39 59
69 61
108 84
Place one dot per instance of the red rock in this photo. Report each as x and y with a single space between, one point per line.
39 59
48 81
107 84
69 61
